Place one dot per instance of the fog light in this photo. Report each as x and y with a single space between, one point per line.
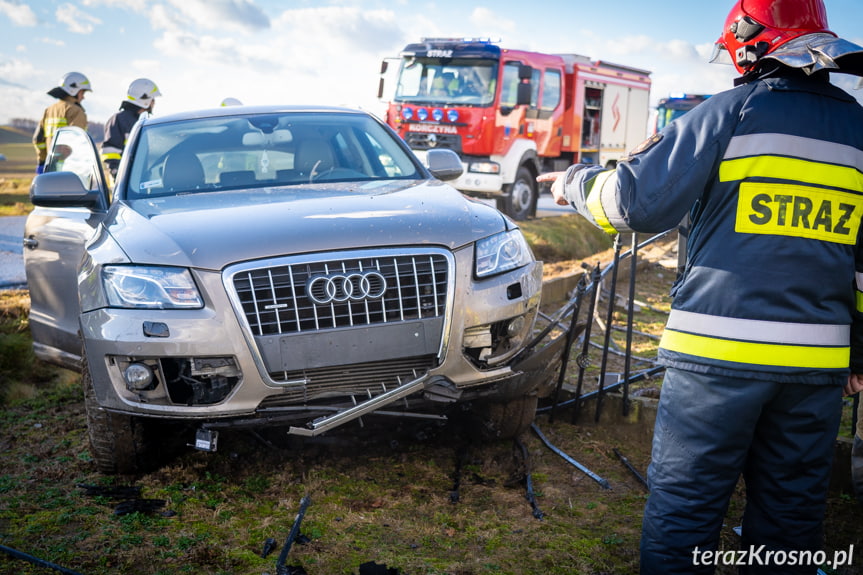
138 376
515 326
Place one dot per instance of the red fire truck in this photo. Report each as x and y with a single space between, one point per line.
511 114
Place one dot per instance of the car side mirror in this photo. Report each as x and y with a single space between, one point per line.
444 164
62 190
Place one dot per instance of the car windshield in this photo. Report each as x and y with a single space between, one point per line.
233 152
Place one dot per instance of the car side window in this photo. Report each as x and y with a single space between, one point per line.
73 151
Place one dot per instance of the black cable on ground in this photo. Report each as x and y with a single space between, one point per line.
35 560
529 494
604 483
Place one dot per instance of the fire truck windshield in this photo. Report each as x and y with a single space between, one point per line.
462 82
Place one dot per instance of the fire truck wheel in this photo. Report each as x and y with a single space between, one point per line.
520 203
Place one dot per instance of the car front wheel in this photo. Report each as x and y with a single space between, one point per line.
507 419
119 444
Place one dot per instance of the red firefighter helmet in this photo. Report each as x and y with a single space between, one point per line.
755 28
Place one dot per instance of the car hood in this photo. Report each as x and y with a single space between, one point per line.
212 230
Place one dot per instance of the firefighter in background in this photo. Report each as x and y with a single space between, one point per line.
140 99
66 111
764 332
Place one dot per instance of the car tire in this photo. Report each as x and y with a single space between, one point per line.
119 444
507 419
520 202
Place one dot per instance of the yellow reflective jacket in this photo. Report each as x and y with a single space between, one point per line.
64 112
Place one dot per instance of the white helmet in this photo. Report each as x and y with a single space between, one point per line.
74 82
142 92
231 102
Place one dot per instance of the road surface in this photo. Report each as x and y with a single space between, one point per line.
11 262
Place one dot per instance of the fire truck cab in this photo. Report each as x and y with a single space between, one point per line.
511 114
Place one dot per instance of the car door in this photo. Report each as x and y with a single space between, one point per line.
55 234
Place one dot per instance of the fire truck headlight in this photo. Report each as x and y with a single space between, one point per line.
484 167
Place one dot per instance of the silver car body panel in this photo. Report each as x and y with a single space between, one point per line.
454 335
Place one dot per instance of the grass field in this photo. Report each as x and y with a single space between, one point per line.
16 172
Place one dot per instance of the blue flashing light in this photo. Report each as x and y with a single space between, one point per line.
452 115
422 114
407 113
437 114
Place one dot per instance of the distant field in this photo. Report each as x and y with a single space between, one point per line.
20 156
16 171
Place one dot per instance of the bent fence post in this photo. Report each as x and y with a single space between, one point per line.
630 308
609 318
583 359
570 337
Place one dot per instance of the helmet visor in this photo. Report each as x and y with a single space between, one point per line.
720 55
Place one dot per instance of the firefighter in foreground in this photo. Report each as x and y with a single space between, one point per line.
66 111
764 332
140 99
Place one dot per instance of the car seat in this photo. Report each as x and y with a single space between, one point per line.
182 172
314 157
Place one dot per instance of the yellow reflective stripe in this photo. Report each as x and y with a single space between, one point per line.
756 353
56 122
594 199
859 301
791 169
798 211
111 156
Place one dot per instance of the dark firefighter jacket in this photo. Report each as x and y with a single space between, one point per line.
771 175
63 112
117 130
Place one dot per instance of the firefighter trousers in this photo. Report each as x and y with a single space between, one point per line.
709 431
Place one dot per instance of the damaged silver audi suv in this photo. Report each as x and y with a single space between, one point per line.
282 267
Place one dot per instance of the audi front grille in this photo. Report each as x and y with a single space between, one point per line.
292 296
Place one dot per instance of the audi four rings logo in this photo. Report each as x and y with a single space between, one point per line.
339 288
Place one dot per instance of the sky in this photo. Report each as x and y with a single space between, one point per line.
199 52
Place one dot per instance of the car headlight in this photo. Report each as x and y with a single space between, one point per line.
501 253
150 287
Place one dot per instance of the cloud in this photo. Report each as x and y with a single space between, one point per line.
133 5
20 14
51 41
76 20
220 14
14 70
